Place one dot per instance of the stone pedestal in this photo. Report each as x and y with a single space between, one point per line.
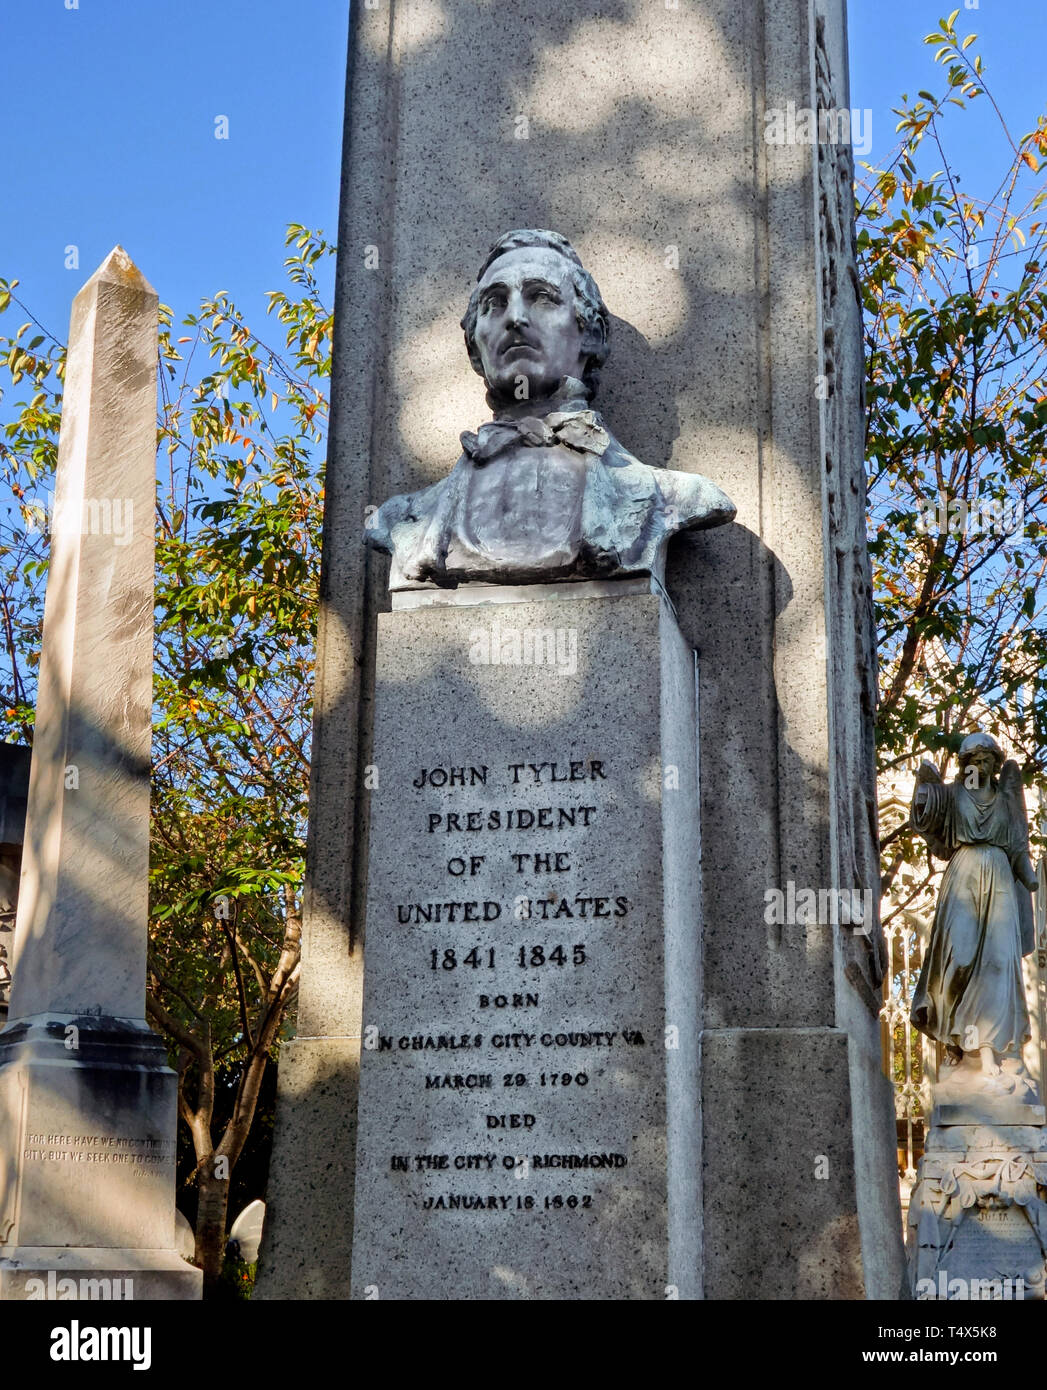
527 1117
89 1194
978 1212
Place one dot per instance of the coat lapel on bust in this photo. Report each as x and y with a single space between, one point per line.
618 506
430 550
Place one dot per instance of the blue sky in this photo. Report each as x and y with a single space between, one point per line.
115 141
109 130
888 58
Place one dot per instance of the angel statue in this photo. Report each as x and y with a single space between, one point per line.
970 996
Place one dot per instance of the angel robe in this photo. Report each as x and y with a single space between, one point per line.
970 993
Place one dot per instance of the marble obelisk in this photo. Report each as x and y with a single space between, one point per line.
87 1102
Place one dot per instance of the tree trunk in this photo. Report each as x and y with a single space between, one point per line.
211 1214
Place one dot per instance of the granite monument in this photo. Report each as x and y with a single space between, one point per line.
532 953
726 261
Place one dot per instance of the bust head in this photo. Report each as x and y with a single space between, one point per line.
535 317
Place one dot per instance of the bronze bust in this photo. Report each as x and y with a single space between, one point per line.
544 491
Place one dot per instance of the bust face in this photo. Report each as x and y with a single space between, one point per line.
526 324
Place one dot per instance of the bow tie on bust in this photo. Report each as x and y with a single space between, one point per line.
579 430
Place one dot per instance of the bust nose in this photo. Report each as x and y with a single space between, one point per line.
515 310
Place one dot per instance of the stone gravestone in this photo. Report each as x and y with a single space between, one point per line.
87 1102
978 1212
655 137
247 1229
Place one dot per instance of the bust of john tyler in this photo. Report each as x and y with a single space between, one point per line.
543 491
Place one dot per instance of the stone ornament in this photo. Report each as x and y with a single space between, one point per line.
544 491
970 997
983 1182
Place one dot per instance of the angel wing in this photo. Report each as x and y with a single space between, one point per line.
927 772
1011 781
1011 788
1013 792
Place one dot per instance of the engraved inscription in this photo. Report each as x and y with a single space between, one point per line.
500 953
98 1148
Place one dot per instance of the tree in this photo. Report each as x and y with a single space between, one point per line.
238 522
955 296
955 330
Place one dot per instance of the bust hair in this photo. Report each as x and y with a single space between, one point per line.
590 310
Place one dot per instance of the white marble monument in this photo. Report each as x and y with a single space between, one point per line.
87 1101
978 1213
